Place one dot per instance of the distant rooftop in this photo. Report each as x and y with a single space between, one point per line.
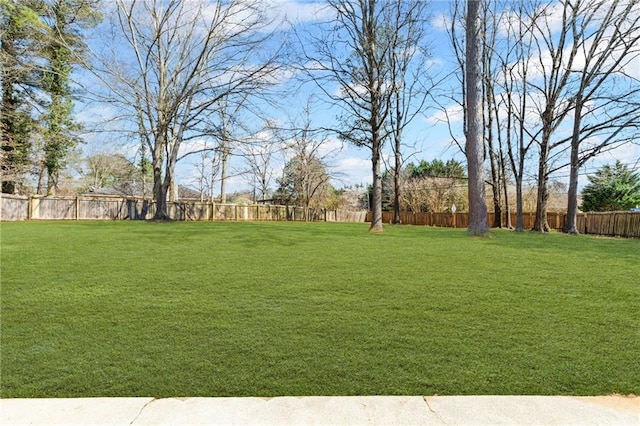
134 189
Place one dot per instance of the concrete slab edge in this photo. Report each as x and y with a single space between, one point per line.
318 410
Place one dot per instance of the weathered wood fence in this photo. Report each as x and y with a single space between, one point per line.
619 224
12 207
118 208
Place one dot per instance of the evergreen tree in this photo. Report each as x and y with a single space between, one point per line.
64 49
436 168
612 188
20 32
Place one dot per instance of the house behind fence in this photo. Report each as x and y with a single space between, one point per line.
13 207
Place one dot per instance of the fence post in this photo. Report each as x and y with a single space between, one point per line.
586 223
77 207
34 207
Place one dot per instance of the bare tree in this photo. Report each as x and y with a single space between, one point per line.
260 156
207 168
581 67
514 64
305 183
490 15
104 169
549 67
496 23
492 19
305 178
607 100
556 55
409 77
181 59
351 53
227 130
456 100
474 147
434 194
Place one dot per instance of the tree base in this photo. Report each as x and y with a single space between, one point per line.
483 232
379 229
161 219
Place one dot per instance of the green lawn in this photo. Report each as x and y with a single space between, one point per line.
265 309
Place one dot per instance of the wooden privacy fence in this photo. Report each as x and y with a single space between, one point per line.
619 224
461 220
117 208
12 207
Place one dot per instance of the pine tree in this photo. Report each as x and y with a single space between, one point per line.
20 31
64 49
612 188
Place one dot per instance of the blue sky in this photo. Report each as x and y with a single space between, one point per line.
351 165
427 137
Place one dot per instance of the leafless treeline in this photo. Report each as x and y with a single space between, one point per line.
558 85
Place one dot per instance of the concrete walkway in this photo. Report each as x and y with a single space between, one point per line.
369 410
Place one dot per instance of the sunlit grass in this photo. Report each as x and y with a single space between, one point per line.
266 309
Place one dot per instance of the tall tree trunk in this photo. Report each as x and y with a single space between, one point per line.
478 221
541 224
518 169
160 195
376 202
41 172
161 202
519 207
505 188
223 176
572 196
397 171
496 189
159 184
489 102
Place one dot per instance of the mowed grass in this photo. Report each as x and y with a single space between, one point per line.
265 309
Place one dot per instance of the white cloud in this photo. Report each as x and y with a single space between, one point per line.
296 12
351 171
627 153
277 14
441 22
192 146
330 148
632 68
452 114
